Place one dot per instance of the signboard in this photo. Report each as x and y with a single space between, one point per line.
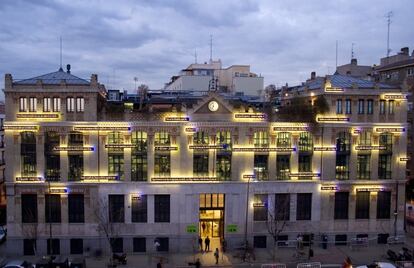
58 190
183 179
102 128
74 148
370 189
190 129
291 128
116 146
333 119
249 176
37 116
232 228
305 174
265 149
404 158
260 116
92 178
21 127
325 148
29 179
395 97
165 148
177 118
334 89
206 147
390 129
369 147
191 229
329 188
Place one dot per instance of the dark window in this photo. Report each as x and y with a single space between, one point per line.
117 245
75 167
139 208
162 165
261 166
362 205
259 241
52 157
116 208
385 139
391 107
116 165
384 166
28 153
342 167
164 244
53 246
304 206
383 205
260 207
383 238
305 163
52 208
339 106
282 207
282 167
76 208
348 106
282 240
76 246
29 208
162 208
29 247
75 139
223 166
200 137
370 106
364 167
382 107
341 240
343 142
341 205
361 104
139 167
139 244
200 164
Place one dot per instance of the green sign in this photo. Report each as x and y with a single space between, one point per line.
232 228
191 229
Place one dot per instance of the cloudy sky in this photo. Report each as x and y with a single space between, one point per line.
283 40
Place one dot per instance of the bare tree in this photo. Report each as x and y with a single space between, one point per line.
106 219
277 220
30 230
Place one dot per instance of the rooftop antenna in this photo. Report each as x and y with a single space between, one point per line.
60 68
336 55
195 56
135 81
388 16
352 51
211 48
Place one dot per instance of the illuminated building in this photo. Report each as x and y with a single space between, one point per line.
180 164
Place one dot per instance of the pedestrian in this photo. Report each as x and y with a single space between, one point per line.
207 242
216 255
347 263
159 265
223 245
200 243
310 253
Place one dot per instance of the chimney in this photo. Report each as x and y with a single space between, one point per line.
354 61
94 80
8 81
405 51
313 75
68 68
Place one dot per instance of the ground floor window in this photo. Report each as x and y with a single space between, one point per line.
53 247
163 244
117 245
139 244
76 246
341 239
259 241
282 240
29 247
383 238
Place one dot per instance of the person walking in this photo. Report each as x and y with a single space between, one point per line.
216 255
159 265
200 243
207 242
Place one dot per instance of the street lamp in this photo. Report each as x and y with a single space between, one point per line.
247 209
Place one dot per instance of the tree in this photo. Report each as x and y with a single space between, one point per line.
277 220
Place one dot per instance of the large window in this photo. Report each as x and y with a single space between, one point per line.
115 137
382 107
139 208
32 104
208 201
116 165
70 104
139 244
282 167
370 106
76 208
385 140
162 138
261 167
28 153
384 166
53 246
224 138
348 106
29 247
116 208
362 205
117 244
75 139
305 142
383 205
283 139
304 206
200 137
260 207
56 104
361 106
52 158
162 208
47 104
76 246
391 106
365 138
282 207
139 167
341 205
261 139
29 208
162 165
339 106
22 104
364 166
80 104
75 167
343 145
200 165
223 166
305 163
140 140
52 208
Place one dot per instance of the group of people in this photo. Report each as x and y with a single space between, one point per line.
207 247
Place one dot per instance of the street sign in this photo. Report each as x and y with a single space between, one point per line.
232 228
191 229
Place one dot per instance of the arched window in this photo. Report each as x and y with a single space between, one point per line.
28 153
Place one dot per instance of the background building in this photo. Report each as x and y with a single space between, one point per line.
2 169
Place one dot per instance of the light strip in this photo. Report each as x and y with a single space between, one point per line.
206 147
390 129
266 149
181 179
101 128
165 148
176 119
37 116
369 147
261 116
74 148
21 127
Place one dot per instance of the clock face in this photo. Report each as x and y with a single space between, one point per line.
213 106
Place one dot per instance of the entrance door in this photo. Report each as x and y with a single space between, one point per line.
212 215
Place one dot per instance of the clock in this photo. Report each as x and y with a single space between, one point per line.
213 106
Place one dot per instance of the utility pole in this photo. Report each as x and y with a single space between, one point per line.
211 48
388 16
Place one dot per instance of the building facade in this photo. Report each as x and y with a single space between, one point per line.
3 203
82 175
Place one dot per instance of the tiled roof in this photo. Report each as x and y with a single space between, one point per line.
342 81
396 65
54 78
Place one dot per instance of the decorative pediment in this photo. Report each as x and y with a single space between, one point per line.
212 104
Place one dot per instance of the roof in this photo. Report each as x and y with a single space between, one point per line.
396 65
54 78
343 81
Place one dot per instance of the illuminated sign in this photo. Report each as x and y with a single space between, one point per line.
135 197
334 89
190 129
356 131
165 148
109 178
390 129
249 176
299 128
369 147
265 149
324 148
29 179
58 190
206 147
333 119
259 204
329 188
74 148
304 174
37 116
20 127
102 128
183 179
404 158
395 97
177 118
260 116
120 145
370 189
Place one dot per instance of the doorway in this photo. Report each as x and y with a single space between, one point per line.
211 216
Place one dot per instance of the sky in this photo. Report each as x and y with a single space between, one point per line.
282 40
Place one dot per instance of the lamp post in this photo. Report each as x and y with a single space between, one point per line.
50 220
247 212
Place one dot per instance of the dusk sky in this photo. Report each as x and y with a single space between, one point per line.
282 40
